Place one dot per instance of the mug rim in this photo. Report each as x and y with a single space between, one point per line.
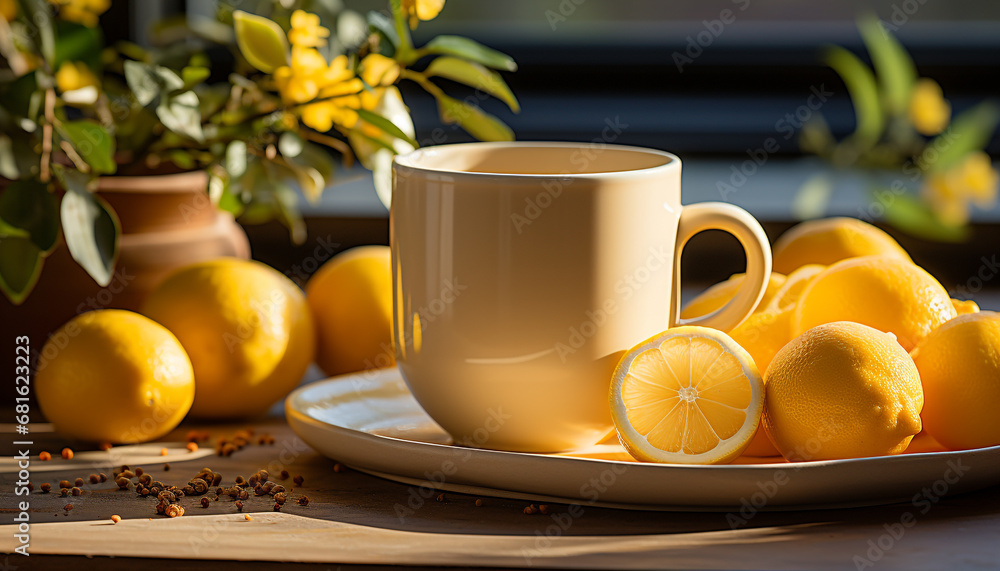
407 161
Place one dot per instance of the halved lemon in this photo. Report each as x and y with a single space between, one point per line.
690 395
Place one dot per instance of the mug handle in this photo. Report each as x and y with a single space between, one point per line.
738 222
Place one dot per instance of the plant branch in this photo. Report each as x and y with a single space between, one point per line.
423 81
331 142
50 105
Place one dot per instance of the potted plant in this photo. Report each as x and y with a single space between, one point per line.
121 163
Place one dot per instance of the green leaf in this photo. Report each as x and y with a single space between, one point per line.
861 85
290 144
477 122
39 17
813 197
28 205
92 141
382 24
90 229
313 168
262 41
20 266
468 49
76 42
181 114
385 125
236 159
473 75
915 217
968 132
893 65
141 81
8 160
16 95
193 75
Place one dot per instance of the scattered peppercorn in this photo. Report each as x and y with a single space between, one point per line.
239 480
46 487
67 453
277 507
279 498
283 475
139 471
303 501
76 491
104 446
78 482
239 506
115 519
44 456
146 480
531 510
338 468
544 509
276 490
440 498
298 479
124 468
216 479
166 467
122 483
65 484
127 474
205 502
244 495
63 492
94 478
479 503
103 477
192 446
68 507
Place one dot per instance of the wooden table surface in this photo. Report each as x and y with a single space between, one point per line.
354 518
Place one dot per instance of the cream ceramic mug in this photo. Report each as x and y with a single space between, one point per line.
523 271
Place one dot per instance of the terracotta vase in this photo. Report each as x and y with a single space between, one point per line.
167 221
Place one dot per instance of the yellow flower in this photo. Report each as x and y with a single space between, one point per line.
929 110
333 86
417 10
378 72
73 75
306 74
306 30
974 180
85 12
8 9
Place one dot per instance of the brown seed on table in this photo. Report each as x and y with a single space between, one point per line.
283 475
127 474
44 456
192 436
166 467
161 508
78 482
166 497
277 507
239 505
173 510
216 479
124 468
279 498
298 479
244 495
188 490
239 480
104 446
338 468
46 487
122 483
531 510
164 452
192 446
205 502
139 471
259 490
63 492
262 476
440 498
277 490
67 453
145 479
116 518
65 484
103 477
68 507
303 501
94 478
544 508
219 491
76 491
252 480
31 487
479 503
145 492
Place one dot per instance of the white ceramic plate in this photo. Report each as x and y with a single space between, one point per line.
371 422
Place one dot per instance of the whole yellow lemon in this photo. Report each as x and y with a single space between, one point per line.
887 293
831 240
114 376
842 390
719 294
351 302
959 366
246 328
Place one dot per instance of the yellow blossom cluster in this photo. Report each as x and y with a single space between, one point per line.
85 12
929 111
972 181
